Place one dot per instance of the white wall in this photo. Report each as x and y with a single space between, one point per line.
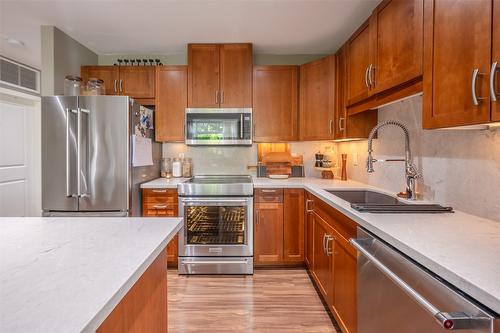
460 168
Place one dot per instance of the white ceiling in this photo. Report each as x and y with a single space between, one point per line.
164 27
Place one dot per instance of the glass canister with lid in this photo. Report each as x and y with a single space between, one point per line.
95 86
72 85
187 168
166 168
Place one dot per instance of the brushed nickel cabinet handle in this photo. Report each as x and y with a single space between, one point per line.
330 127
475 100
308 210
268 191
366 78
341 124
160 206
159 191
371 75
327 245
114 85
493 72
222 97
216 97
121 86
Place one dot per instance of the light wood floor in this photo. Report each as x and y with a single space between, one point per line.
274 300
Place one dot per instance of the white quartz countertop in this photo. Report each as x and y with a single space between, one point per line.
461 248
66 274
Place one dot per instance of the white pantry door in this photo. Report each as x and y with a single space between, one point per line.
19 155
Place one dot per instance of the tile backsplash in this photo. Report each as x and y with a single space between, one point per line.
235 160
460 168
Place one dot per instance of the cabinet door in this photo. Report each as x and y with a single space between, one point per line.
109 74
203 75
344 283
137 82
317 99
268 233
452 51
275 109
358 62
340 114
398 25
495 106
171 103
236 61
309 221
323 258
293 226
173 251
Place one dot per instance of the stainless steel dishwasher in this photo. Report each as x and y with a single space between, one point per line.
395 294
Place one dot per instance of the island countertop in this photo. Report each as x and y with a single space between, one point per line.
66 274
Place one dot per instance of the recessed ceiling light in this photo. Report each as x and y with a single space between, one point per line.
13 41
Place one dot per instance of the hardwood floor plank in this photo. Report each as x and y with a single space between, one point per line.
272 300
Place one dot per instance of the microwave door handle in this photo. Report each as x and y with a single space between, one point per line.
241 125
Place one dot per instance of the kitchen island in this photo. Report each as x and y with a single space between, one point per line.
77 274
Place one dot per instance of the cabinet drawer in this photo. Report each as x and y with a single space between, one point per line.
160 212
268 195
159 196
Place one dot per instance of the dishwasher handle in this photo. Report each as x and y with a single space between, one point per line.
447 320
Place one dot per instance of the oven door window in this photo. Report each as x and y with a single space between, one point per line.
223 225
217 127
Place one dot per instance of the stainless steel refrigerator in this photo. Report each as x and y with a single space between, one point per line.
87 156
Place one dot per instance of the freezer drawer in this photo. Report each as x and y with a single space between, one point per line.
396 294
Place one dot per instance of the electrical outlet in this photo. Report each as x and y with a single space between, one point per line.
355 159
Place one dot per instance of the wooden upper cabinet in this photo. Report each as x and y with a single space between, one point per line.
171 102
268 233
347 126
133 81
203 75
495 106
358 65
453 50
137 81
317 99
236 62
109 74
275 103
293 225
220 75
398 29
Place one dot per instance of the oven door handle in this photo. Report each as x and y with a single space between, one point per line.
212 262
215 202
447 320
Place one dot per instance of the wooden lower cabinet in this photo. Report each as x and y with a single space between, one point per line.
268 233
322 268
344 283
144 307
293 226
163 203
331 260
279 227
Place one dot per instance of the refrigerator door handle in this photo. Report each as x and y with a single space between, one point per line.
69 194
82 172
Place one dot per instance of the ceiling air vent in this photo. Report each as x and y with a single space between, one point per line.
19 77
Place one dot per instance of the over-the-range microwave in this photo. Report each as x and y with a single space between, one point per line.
218 126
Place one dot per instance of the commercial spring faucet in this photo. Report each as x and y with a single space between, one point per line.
411 172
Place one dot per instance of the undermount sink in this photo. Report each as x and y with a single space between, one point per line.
365 197
367 201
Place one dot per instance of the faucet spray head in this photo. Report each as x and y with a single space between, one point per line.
369 163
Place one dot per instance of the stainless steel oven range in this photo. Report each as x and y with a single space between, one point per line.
217 236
